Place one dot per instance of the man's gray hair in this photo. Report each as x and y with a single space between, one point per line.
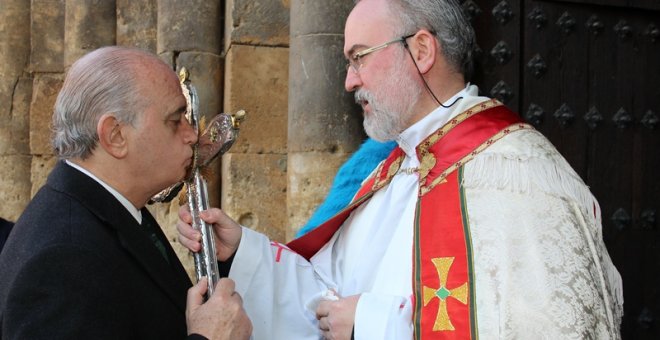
450 24
103 81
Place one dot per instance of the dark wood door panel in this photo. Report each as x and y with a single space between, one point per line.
602 69
498 57
555 77
641 4
586 73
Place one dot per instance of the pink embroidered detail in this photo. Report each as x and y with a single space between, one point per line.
279 247
411 299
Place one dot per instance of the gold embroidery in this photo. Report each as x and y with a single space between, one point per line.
442 321
427 163
394 167
442 177
408 171
423 148
392 170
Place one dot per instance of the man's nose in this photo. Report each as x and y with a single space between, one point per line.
189 134
353 80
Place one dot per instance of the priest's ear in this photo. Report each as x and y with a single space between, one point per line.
112 136
424 48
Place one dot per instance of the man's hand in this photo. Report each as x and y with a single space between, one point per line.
336 318
222 316
227 232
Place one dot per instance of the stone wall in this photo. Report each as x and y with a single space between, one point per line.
297 132
15 97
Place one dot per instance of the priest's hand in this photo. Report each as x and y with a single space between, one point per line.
221 317
336 318
227 232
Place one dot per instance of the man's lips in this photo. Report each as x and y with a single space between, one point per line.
365 106
189 168
189 163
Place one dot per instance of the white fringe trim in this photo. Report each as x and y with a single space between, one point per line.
517 173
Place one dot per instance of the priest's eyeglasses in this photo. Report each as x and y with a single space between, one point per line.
355 61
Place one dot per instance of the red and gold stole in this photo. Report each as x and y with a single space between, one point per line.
442 259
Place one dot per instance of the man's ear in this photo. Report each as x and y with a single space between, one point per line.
112 136
424 48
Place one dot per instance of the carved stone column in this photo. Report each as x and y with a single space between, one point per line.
189 35
256 68
324 125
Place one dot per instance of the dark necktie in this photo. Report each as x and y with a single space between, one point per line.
150 229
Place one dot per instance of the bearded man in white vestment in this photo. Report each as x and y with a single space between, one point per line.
475 226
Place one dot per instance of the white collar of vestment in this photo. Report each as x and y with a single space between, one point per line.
135 212
415 134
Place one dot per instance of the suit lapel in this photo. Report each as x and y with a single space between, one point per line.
170 277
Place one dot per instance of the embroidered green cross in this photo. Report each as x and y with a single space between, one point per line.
442 322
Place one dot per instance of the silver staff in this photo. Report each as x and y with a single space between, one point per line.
217 138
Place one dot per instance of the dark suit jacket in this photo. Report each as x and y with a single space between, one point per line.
5 228
78 266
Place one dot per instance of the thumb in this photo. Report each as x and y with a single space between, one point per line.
196 293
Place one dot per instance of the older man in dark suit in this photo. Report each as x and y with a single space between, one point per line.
86 259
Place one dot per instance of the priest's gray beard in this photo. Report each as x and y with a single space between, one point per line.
391 104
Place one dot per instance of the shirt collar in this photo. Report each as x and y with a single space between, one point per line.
415 134
135 212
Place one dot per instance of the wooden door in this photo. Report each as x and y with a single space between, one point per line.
586 73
